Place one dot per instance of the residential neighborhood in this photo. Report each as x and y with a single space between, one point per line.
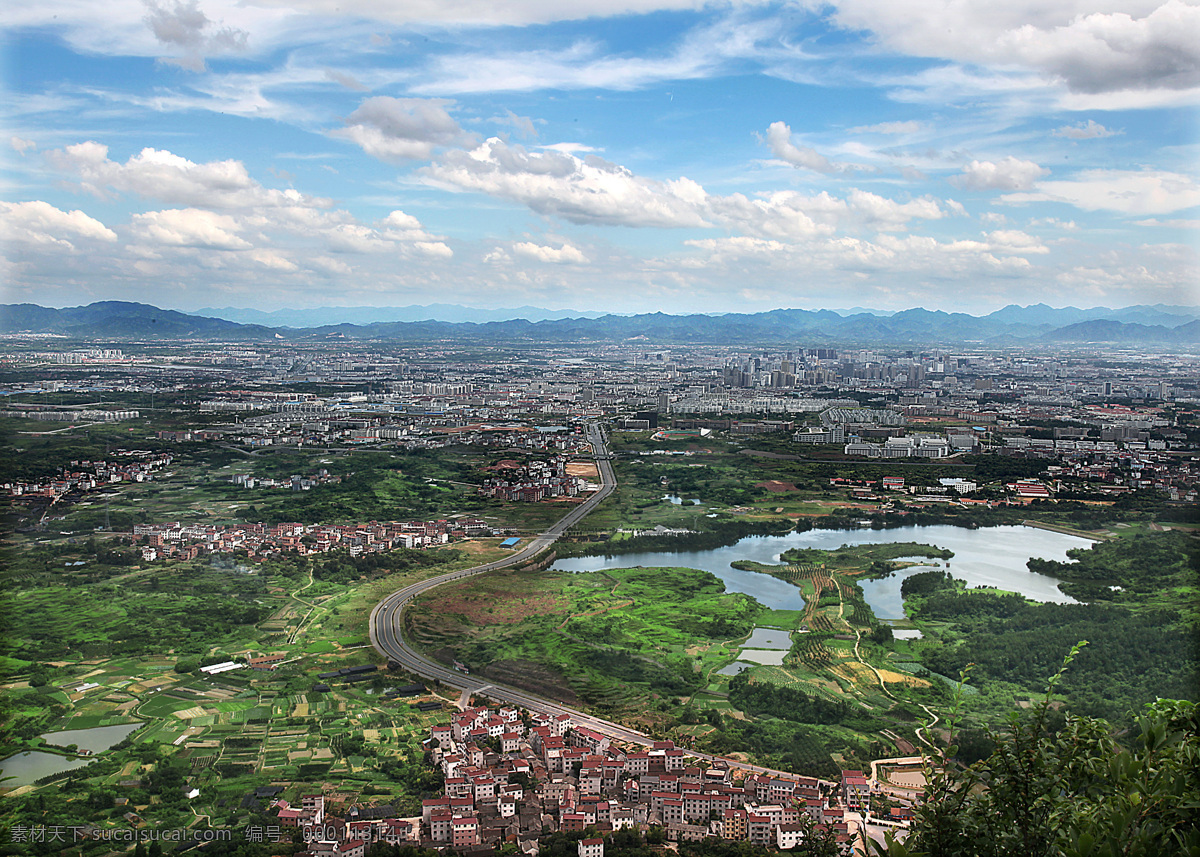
512 776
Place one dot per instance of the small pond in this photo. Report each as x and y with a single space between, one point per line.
768 638
772 657
27 767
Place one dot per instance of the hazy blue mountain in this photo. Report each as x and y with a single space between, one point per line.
795 327
122 319
325 316
1167 316
1045 316
858 310
1049 317
1108 330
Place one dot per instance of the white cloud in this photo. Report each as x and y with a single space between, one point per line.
1174 223
183 25
779 138
702 52
21 145
591 190
1089 130
894 255
739 246
436 249
566 254
476 13
888 215
272 261
581 190
401 129
1055 223
1126 191
38 223
911 126
524 125
1091 45
1015 241
400 224
345 80
162 175
1008 174
569 148
190 227
1165 273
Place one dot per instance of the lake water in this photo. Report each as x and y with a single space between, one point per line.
26 768
95 739
990 556
771 657
768 638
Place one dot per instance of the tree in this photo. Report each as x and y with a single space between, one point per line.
1075 791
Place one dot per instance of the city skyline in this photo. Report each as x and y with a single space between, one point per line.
673 156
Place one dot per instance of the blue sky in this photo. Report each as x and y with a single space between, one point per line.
619 155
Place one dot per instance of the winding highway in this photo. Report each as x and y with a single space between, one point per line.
387 625
387 618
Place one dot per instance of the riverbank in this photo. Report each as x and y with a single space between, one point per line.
1066 531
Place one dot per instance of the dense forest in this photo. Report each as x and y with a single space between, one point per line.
1126 571
1132 657
1077 787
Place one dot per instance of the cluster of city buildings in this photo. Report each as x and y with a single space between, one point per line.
138 465
512 775
531 481
296 482
72 415
1113 471
259 541
82 355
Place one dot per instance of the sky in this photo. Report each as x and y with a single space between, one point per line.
602 155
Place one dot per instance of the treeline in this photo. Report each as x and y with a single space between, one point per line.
786 703
925 583
1078 787
848 555
783 745
719 534
1005 468
1141 566
339 567
1080 515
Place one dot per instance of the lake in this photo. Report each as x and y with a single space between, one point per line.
95 739
32 765
26 768
990 556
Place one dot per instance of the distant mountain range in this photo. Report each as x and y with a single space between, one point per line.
1013 325
324 316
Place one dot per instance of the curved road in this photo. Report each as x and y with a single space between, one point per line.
387 625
